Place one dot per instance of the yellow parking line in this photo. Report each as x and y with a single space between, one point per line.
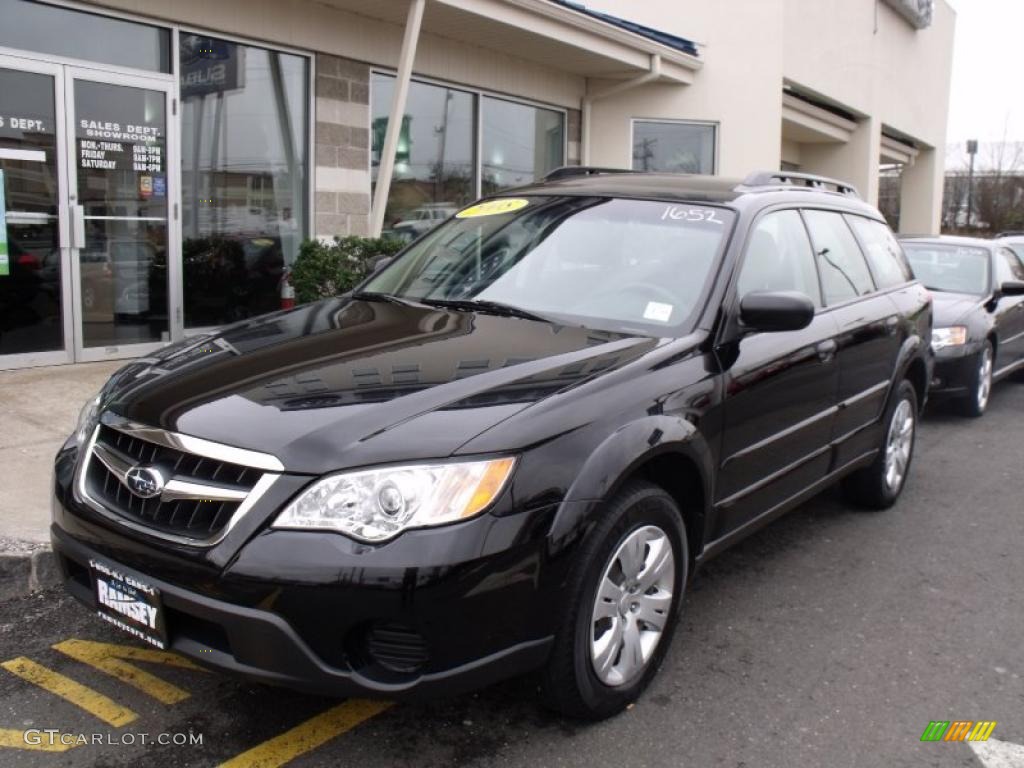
308 736
93 702
109 658
9 737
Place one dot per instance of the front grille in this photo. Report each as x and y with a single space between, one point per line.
195 518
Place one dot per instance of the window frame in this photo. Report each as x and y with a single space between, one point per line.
478 94
715 126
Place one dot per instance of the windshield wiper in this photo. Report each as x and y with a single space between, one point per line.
489 307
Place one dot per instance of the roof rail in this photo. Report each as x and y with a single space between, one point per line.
570 171
1011 233
791 178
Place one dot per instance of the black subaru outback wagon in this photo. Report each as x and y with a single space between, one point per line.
510 448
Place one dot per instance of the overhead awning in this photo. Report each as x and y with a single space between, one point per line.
548 32
807 123
897 149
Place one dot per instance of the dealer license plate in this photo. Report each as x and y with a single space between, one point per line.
128 603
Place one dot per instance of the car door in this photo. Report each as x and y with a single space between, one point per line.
1009 313
868 336
780 388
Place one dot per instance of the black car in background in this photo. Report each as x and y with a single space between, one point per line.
978 339
511 447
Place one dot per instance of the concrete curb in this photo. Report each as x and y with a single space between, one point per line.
25 568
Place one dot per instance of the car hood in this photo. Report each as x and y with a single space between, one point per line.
949 308
343 383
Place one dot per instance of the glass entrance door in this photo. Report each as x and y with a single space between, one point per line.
35 291
120 191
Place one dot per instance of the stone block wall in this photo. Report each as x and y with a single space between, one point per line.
342 151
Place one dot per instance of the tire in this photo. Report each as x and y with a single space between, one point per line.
879 485
640 512
976 402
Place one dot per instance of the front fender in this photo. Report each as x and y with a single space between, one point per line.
615 460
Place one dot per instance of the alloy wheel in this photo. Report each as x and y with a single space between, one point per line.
899 445
632 606
984 378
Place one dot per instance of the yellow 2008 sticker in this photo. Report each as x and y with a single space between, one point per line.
493 207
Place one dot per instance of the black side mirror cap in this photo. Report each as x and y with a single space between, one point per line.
1012 288
773 311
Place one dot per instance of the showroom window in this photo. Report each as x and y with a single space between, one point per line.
674 146
435 169
78 35
439 166
244 139
521 143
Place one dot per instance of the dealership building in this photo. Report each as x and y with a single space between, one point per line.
162 162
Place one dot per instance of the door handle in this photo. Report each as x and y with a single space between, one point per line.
77 226
826 350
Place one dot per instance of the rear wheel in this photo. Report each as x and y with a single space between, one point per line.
621 607
976 402
878 485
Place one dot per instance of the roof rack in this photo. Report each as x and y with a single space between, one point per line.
570 171
791 178
1011 233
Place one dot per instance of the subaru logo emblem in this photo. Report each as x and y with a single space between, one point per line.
145 482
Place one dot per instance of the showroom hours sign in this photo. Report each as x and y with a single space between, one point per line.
114 146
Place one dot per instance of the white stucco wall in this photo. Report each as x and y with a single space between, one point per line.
858 54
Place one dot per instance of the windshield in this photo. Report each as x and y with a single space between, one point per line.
624 265
954 268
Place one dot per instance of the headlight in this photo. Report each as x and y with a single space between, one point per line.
378 504
87 420
956 336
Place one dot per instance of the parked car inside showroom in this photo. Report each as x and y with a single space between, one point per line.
511 447
978 287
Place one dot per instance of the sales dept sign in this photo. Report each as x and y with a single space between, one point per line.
114 146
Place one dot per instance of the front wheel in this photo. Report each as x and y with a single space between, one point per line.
621 607
976 402
878 485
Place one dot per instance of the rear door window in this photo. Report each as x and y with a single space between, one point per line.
844 272
887 259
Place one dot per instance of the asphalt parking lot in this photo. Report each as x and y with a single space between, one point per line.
831 638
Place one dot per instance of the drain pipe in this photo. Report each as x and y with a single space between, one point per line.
625 85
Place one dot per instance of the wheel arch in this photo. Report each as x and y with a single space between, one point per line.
667 451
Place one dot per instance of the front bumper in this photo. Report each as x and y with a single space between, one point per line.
320 613
954 372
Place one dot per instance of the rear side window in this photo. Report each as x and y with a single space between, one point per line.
844 273
779 258
884 254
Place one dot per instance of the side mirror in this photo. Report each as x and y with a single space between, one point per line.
773 311
379 263
1011 288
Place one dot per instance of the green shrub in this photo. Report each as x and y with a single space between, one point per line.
328 269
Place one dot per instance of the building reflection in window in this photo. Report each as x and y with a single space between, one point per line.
434 161
244 129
